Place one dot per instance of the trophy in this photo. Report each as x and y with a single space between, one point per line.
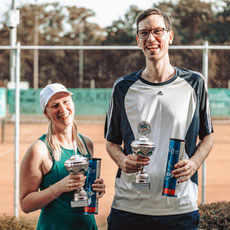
142 147
77 164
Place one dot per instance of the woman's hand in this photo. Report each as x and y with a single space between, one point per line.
69 183
99 187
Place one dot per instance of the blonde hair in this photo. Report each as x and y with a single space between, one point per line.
53 144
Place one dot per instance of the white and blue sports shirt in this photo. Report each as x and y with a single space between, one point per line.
177 108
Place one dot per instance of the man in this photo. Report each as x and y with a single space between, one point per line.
175 102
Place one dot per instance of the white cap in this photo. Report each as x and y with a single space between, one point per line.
47 92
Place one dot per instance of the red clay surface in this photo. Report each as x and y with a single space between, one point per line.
217 165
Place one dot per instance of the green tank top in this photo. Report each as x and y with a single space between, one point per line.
58 214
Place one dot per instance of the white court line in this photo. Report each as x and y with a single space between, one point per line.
9 151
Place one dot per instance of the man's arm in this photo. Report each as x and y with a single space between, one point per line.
129 163
186 168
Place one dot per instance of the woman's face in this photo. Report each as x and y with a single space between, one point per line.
60 109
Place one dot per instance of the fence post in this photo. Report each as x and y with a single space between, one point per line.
205 61
3 129
81 56
16 139
12 23
205 73
35 54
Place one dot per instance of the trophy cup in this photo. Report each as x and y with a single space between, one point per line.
77 164
142 147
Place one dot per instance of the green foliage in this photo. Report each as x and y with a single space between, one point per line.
12 223
190 18
215 216
218 32
123 31
57 24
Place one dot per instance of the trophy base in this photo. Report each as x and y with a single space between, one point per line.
80 203
141 186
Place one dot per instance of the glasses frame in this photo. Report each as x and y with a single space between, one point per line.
152 32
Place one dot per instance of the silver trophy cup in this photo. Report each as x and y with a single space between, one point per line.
78 164
142 147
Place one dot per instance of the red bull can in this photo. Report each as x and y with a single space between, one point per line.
175 154
93 173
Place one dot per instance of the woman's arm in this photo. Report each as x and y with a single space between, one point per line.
35 162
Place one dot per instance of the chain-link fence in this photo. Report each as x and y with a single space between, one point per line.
98 67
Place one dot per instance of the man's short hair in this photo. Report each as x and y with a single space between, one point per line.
154 11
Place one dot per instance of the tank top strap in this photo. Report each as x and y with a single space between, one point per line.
83 139
43 138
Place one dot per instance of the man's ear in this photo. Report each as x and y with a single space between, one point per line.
171 36
138 41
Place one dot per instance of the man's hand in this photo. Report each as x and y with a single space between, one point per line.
131 163
185 169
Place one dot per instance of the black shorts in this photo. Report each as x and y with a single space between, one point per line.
121 220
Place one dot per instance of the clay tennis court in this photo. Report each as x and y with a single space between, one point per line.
217 164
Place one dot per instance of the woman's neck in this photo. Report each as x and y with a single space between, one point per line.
65 137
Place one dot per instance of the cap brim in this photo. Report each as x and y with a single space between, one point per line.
61 91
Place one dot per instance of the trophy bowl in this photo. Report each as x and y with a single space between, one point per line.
142 147
78 164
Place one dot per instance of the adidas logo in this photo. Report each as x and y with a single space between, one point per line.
160 93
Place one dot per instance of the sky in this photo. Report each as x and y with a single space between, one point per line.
106 10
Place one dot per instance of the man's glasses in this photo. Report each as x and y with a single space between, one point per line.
159 32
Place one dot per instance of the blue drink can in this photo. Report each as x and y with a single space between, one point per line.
175 154
93 173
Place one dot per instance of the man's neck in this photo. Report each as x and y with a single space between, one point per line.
158 72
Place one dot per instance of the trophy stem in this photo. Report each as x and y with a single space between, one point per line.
80 194
142 169
142 176
80 198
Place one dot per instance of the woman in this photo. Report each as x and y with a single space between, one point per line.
44 181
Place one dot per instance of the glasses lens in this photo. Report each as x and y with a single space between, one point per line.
143 34
158 32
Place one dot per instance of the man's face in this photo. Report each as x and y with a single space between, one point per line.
153 46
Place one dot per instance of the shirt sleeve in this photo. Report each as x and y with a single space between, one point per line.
205 117
113 119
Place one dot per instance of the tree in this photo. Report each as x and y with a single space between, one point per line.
219 33
218 30
116 63
123 31
189 18
4 55
58 25
194 21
